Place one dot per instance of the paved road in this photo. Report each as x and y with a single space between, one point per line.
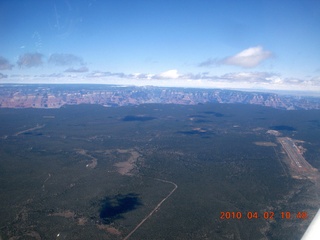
155 209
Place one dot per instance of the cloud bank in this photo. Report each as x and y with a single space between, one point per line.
234 79
253 80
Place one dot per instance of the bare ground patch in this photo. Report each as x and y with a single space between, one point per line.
34 235
82 221
109 229
65 214
125 167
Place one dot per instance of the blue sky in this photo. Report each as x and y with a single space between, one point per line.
204 43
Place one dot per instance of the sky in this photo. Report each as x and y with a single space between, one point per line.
247 44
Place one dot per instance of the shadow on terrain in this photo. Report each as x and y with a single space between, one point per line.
137 118
113 207
283 127
216 114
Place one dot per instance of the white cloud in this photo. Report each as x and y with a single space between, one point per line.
171 74
275 79
252 77
141 76
248 58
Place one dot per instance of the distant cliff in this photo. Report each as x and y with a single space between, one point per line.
55 96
